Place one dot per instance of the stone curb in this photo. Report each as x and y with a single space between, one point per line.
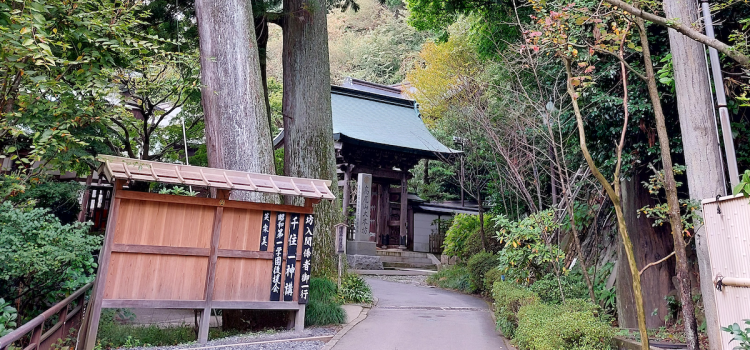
362 316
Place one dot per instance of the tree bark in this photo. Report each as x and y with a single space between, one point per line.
700 141
261 37
308 125
237 136
675 220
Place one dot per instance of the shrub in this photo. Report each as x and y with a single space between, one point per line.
458 235
478 266
50 260
548 289
454 277
526 253
8 317
491 277
323 307
354 289
570 326
509 298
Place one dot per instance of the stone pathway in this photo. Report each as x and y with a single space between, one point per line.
416 317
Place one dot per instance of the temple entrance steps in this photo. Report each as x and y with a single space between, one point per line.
394 258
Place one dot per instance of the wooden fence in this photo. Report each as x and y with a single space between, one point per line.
68 312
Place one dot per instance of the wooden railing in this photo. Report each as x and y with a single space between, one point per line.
67 319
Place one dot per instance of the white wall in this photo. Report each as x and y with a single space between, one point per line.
423 228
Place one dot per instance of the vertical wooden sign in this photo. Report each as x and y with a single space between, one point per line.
264 229
278 256
305 263
291 257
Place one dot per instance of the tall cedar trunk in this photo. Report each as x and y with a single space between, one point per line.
615 197
649 244
261 37
700 142
237 136
308 144
688 307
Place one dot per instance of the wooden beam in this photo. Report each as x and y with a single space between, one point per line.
403 215
155 249
153 304
165 198
211 275
347 191
97 295
255 305
379 172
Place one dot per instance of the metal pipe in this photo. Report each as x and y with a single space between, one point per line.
721 100
735 282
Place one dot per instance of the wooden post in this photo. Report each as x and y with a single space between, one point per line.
101 279
86 199
403 215
211 271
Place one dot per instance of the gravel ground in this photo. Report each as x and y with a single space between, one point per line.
256 337
413 280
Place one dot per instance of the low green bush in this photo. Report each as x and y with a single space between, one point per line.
569 326
490 277
478 266
454 277
548 289
323 306
458 236
509 298
354 289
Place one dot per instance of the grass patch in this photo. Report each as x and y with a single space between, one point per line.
112 334
323 306
354 289
454 277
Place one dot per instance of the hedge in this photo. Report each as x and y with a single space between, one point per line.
570 326
509 298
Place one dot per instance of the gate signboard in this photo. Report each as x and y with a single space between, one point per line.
167 251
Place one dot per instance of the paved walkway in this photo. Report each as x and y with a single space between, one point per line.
415 318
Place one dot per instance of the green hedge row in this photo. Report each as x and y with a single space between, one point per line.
535 325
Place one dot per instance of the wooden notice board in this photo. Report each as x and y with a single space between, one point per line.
167 251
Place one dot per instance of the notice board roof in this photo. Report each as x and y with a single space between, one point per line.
119 168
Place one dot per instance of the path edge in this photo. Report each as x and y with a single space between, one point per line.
506 341
362 316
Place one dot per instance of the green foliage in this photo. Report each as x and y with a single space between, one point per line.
526 253
509 298
8 316
689 209
43 260
459 235
178 191
548 288
60 198
570 326
478 266
323 307
744 185
354 289
741 336
492 276
60 55
455 277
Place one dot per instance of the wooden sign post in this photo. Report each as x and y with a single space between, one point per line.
167 251
340 230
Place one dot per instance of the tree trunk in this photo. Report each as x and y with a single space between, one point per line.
649 244
675 220
700 141
308 127
237 136
261 37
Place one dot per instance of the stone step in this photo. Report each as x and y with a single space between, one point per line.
408 265
406 260
402 253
